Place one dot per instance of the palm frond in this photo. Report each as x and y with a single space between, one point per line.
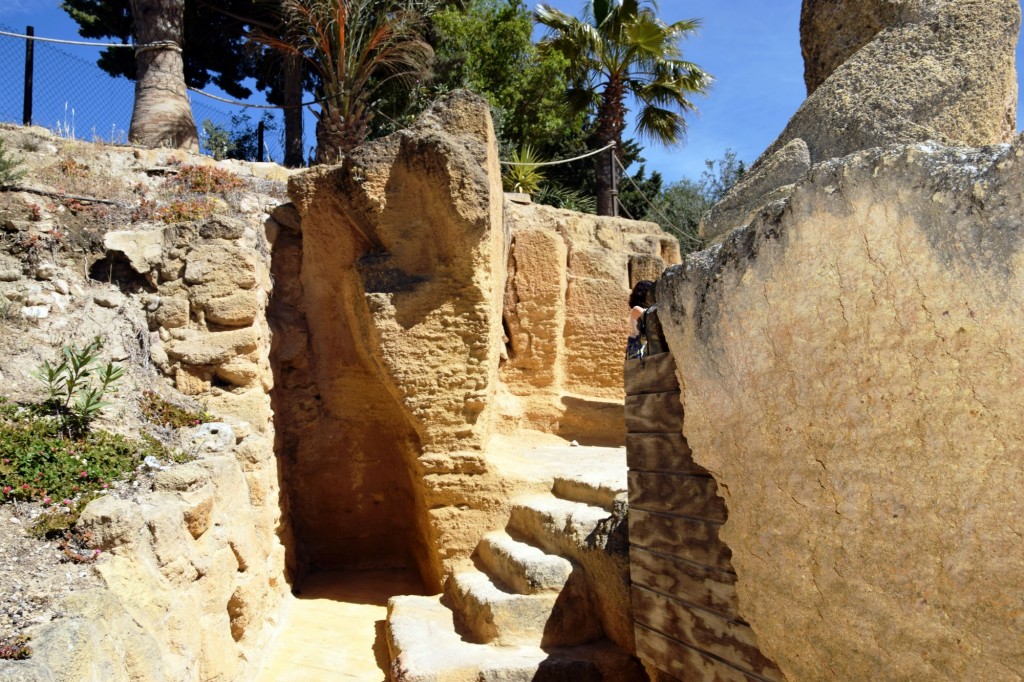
661 125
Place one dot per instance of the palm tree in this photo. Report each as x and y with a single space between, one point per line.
162 115
621 49
355 47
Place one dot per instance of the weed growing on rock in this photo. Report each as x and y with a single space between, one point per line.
50 454
207 180
162 413
15 648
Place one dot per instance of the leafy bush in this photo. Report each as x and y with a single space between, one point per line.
11 171
76 386
158 411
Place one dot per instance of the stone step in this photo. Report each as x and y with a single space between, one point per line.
555 525
425 647
488 613
524 568
597 488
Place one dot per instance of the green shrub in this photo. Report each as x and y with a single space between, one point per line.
39 462
11 171
76 386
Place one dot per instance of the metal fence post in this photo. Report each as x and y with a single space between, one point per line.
615 182
260 130
26 112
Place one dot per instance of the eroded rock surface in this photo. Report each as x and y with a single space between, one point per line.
898 72
851 367
565 314
390 339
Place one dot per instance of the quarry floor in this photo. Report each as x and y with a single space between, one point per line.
334 627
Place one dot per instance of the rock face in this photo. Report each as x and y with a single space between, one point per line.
831 32
389 344
565 310
395 361
851 366
897 72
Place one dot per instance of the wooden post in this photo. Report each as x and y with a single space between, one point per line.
30 45
260 130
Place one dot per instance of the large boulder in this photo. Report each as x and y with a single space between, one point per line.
832 31
852 367
917 70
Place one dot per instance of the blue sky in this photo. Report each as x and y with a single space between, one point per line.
751 47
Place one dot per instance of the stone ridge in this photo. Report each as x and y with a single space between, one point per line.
850 364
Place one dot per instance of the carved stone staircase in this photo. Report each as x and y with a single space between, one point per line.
525 613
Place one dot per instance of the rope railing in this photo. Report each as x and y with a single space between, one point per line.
678 231
561 161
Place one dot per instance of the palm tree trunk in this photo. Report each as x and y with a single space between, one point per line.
294 155
162 116
611 117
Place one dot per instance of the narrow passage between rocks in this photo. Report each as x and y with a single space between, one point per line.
334 627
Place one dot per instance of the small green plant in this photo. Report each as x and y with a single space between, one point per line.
217 140
158 411
11 171
525 175
15 648
76 386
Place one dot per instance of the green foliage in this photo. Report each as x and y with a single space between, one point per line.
38 461
15 648
552 194
158 411
358 49
524 175
11 171
76 385
487 48
217 140
241 141
619 54
680 207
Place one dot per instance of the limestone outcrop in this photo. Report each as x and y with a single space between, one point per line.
851 367
897 72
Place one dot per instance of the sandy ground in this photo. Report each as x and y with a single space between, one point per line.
334 628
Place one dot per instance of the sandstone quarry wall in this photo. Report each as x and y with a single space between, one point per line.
417 314
851 368
400 280
565 316
889 72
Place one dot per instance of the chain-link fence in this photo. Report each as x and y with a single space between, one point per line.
75 98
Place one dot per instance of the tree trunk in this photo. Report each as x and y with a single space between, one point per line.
337 134
611 121
162 116
294 152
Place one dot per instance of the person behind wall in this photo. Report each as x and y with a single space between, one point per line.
641 298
